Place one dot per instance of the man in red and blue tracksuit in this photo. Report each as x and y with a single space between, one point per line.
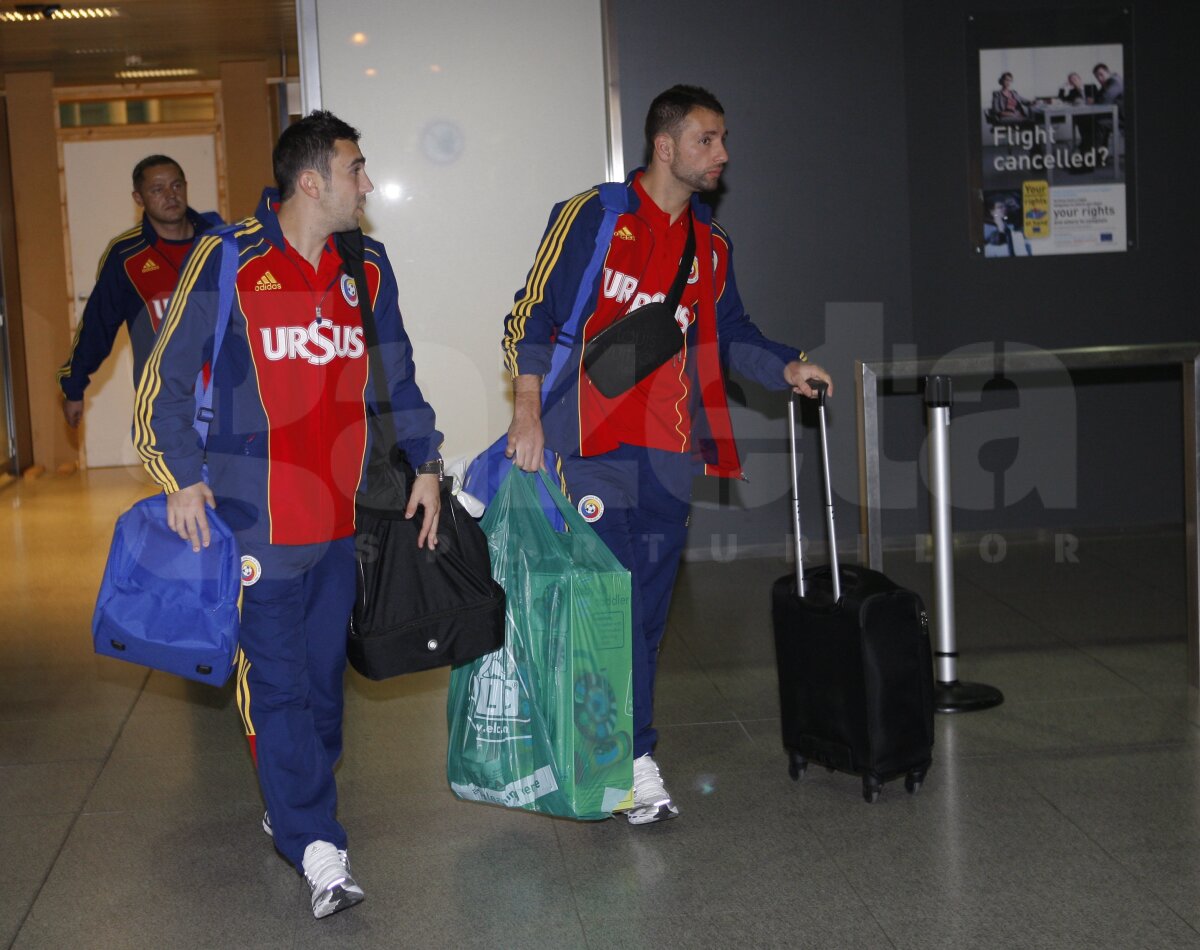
628 462
285 455
136 275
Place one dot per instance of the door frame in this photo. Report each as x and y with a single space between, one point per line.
213 127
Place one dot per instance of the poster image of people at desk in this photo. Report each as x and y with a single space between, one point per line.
1051 139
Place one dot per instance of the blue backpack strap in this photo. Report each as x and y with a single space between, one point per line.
227 287
614 198
489 468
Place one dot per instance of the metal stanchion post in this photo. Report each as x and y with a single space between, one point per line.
949 693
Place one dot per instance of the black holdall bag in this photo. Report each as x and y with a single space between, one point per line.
414 609
632 347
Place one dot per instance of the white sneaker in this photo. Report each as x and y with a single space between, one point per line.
651 800
327 871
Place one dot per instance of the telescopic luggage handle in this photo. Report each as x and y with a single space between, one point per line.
822 390
795 495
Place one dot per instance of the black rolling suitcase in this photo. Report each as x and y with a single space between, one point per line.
855 667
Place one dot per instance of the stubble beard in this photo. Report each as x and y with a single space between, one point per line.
696 181
348 220
166 220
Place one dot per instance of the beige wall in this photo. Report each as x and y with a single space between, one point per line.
249 135
42 264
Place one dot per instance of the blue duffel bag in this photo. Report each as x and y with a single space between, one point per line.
163 605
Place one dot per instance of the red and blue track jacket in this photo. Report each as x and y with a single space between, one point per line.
718 334
288 440
133 281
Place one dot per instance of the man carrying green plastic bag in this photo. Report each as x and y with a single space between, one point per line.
546 722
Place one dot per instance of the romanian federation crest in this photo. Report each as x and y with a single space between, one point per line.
251 570
591 508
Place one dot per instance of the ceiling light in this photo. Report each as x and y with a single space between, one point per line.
86 13
156 73
37 12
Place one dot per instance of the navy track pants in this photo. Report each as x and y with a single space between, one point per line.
293 632
638 501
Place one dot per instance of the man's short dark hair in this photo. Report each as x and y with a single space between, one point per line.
139 170
308 143
670 108
1103 66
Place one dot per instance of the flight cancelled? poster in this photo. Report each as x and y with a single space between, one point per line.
1051 135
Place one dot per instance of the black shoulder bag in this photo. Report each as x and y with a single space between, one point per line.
632 347
414 609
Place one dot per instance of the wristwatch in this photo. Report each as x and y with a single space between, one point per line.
432 467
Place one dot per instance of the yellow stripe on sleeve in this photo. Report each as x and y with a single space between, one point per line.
65 370
151 383
535 285
124 236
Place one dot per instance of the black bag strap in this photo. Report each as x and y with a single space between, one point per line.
350 246
685 266
383 438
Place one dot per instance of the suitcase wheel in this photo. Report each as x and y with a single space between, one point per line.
797 765
871 787
912 782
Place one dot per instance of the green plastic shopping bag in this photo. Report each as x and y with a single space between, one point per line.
546 722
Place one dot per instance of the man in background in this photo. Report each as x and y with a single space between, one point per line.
137 272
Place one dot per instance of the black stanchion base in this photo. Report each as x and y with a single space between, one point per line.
957 696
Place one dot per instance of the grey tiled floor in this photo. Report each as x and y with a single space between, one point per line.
1067 817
